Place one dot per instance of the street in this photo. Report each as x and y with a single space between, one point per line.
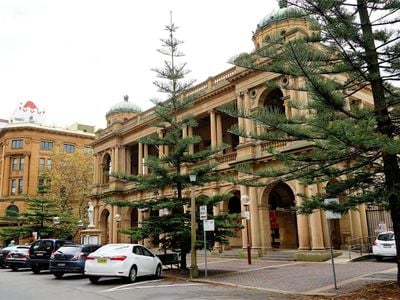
23 284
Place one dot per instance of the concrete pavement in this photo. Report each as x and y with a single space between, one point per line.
292 277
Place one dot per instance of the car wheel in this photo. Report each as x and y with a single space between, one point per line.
14 268
132 275
158 272
378 258
94 279
36 270
58 275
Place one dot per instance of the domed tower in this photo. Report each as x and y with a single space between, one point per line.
122 111
285 22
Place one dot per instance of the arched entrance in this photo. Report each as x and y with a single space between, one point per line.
282 219
105 227
233 206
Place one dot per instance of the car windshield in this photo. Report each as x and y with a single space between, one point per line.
69 250
388 236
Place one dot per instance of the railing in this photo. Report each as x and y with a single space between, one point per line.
361 245
226 157
275 144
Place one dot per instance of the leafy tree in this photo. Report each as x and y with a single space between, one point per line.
39 217
71 177
166 171
354 48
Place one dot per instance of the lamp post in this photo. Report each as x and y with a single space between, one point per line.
194 270
246 203
117 219
80 226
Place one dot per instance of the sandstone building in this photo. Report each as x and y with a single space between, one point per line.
273 225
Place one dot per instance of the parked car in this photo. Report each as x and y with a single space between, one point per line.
70 259
18 258
40 252
127 261
3 254
384 245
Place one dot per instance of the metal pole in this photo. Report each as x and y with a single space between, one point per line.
194 271
330 246
205 250
248 238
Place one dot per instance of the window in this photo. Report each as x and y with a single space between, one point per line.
17 144
20 186
21 163
42 163
49 163
88 150
14 165
13 186
46 145
69 148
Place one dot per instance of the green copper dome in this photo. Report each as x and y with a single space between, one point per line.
124 106
282 13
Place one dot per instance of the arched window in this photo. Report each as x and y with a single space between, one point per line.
12 211
234 206
106 168
274 101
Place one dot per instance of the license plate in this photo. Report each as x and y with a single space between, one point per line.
387 246
102 260
39 254
61 265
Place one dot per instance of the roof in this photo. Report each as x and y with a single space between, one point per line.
124 106
280 14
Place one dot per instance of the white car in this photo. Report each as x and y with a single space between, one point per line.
384 245
127 261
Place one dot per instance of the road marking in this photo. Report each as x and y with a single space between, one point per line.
130 284
139 286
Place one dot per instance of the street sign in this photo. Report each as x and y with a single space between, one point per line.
330 214
203 212
209 225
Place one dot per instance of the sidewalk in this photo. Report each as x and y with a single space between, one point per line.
291 277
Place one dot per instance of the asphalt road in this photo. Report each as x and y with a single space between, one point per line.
23 284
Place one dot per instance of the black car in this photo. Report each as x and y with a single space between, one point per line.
18 258
70 259
3 254
40 252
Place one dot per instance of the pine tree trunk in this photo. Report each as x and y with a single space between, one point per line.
385 125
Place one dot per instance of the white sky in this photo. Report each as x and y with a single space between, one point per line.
77 58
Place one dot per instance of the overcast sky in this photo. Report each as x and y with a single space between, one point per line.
77 58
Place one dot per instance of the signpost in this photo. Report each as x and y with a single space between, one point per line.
208 225
332 215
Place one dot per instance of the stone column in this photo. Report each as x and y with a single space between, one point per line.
140 220
160 147
219 130
26 174
254 223
6 177
113 164
265 227
240 120
315 223
145 156
116 155
191 146
140 158
244 191
247 106
122 160
302 222
355 224
213 128
363 219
